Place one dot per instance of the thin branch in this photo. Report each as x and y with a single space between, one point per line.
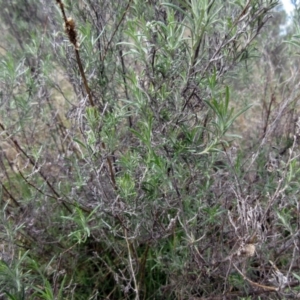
116 29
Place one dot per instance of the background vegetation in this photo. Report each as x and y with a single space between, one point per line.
149 150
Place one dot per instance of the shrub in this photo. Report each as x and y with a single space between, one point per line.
122 174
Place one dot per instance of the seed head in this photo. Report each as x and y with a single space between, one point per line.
71 32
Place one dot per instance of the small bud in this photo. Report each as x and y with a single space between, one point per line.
247 250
